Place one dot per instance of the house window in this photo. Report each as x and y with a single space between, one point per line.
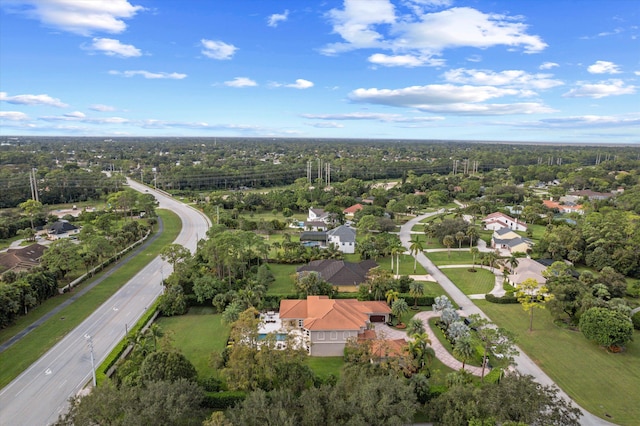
320 335
334 335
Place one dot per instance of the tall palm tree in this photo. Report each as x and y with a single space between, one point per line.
459 237
398 308
474 252
396 251
491 258
416 247
421 351
448 241
472 233
464 350
513 263
416 289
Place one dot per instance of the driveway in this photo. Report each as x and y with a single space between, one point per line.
524 364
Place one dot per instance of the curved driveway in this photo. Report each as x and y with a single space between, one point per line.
41 392
524 364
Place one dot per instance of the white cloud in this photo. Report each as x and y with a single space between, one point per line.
241 82
32 100
101 108
408 61
448 98
366 24
13 116
548 65
276 18
216 49
507 78
75 114
636 72
604 67
299 84
112 47
150 75
599 90
326 125
384 117
82 17
583 121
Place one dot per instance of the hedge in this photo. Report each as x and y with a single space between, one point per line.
121 347
223 400
493 376
505 300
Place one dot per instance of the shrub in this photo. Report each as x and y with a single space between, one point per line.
505 300
223 400
636 320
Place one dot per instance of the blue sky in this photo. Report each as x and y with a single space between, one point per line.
544 70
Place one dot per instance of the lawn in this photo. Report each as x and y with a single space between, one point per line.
324 366
453 258
23 353
406 265
197 334
284 283
479 282
601 382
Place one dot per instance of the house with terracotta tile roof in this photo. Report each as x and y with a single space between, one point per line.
329 323
563 208
351 211
499 220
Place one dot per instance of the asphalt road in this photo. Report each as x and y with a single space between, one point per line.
41 393
524 364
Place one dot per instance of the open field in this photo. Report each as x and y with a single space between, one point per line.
479 282
605 384
23 353
197 334
284 283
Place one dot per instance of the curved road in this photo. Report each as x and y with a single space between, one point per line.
41 393
524 364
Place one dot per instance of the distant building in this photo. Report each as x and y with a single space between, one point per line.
21 259
349 212
498 220
563 208
61 229
507 239
527 268
344 238
339 272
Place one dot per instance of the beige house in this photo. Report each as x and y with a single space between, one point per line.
527 268
328 324
509 242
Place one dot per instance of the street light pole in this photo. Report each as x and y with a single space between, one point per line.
93 366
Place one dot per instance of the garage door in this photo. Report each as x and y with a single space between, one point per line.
376 318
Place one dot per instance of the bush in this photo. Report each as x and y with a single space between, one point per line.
223 400
493 376
636 320
505 300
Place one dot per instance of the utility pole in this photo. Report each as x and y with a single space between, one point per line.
93 366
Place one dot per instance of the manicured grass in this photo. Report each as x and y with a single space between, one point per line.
23 353
197 334
479 282
433 288
324 366
284 283
601 382
406 265
454 258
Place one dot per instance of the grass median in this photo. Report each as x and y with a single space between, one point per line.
603 383
23 353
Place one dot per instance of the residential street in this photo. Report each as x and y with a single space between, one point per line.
524 364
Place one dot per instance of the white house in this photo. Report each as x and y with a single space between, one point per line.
498 220
344 238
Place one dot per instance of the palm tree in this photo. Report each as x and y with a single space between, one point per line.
513 263
398 308
491 257
464 350
459 237
396 251
474 252
415 247
448 241
472 233
421 351
415 326
416 289
392 296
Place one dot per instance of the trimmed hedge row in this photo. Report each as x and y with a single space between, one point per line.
223 400
504 300
116 353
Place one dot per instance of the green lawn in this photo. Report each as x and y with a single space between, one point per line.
479 282
406 265
284 283
324 366
601 382
18 357
197 334
453 258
